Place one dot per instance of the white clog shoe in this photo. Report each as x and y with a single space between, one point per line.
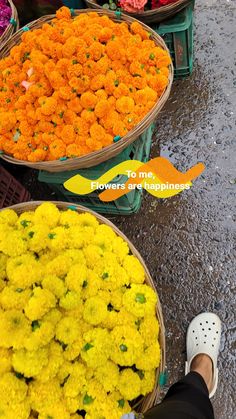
203 337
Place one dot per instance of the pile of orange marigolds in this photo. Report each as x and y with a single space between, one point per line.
73 85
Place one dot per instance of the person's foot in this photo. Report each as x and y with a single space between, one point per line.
202 364
203 343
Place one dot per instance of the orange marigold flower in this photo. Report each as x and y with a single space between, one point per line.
75 105
142 96
97 132
102 108
137 28
80 84
88 100
37 155
125 104
119 128
48 105
57 149
158 83
97 82
105 34
68 134
89 116
63 13
96 50
66 92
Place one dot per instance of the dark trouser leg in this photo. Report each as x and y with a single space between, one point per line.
187 399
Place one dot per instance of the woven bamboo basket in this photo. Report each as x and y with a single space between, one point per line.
150 400
12 27
151 16
106 153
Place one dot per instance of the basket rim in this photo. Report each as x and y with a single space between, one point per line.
114 148
149 400
152 12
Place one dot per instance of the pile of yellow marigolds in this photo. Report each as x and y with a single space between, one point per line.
79 334
73 85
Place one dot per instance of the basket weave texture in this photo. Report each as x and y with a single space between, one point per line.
106 153
12 27
151 16
150 400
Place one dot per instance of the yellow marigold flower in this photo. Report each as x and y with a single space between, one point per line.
76 380
96 349
88 220
15 328
54 284
47 214
46 394
39 304
134 269
15 410
95 310
67 330
111 273
3 264
64 372
127 345
148 379
76 277
108 375
58 239
5 231
69 218
59 266
23 271
14 298
90 285
54 412
150 357
93 395
149 329
116 298
13 244
75 255
120 248
71 300
73 350
42 333
12 389
8 216
26 219
129 384
120 404
103 241
53 316
93 255
140 300
55 361
6 360
37 237
30 363
72 404
120 318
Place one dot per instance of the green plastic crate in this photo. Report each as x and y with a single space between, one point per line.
126 204
74 4
177 33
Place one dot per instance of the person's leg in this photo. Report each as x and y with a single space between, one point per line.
189 398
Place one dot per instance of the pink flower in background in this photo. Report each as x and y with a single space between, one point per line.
133 5
5 15
160 3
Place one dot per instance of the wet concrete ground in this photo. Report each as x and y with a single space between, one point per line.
188 241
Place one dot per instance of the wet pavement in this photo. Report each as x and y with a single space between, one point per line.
188 241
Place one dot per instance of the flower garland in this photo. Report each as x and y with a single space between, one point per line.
72 86
78 326
5 15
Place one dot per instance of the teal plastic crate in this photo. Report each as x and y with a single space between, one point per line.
74 4
126 204
177 33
